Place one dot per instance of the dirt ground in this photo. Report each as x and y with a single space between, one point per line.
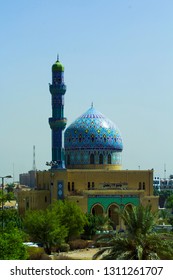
83 254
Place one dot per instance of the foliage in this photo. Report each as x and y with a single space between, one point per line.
152 247
156 192
4 197
78 244
102 223
139 220
139 242
170 220
10 218
37 253
169 202
11 245
165 193
95 223
64 247
55 225
45 227
90 227
163 216
10 187
71 216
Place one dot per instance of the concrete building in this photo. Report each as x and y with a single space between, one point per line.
28 179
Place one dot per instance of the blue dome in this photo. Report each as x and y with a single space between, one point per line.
93 130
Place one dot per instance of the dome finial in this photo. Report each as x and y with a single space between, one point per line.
57 56
92 104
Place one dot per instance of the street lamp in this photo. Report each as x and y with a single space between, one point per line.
3 177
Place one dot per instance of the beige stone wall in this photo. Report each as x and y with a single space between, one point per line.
102 177
32 200
138 182
135 179
150 200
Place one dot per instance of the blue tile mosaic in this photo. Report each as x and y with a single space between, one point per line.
93 139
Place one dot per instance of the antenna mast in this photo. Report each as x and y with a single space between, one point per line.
34 165
164 171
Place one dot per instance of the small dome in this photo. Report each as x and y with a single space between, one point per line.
57 66
93 130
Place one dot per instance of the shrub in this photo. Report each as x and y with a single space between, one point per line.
64 247
37 253
11 245
78 244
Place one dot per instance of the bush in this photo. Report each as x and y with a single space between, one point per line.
37 253
64 247
78 244
11 245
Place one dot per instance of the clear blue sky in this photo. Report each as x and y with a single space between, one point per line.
117 54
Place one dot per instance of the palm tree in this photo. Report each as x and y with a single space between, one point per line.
139 242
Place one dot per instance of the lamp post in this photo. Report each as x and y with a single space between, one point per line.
3 177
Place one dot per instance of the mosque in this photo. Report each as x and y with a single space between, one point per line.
88 169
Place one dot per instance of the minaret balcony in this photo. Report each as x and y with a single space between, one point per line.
57 123
57 88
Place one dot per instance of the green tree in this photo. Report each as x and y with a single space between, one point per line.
10 219
139 242
60 222
96 223
169 202
11 245
45 227
71 216
4 197
90 227
163 216
10 187
163 195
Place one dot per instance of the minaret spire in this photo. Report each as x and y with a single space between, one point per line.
57 122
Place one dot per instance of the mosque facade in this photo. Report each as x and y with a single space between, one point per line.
88 169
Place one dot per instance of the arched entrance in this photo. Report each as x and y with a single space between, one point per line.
97 209
113 214
128 207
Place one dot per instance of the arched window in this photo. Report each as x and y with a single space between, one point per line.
97 210
109 159
100 159
113 215
92 159
80 138
92 137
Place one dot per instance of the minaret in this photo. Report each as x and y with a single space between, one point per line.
57 122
